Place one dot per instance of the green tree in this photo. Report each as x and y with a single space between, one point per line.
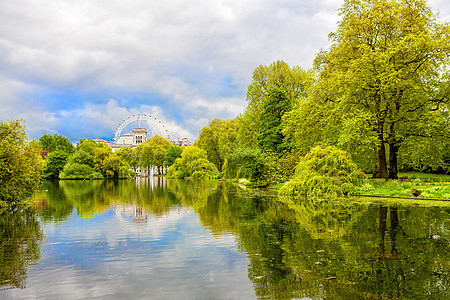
109 164
56 142
80 165
159 147
87 145
218 140
144 156
382 77
192 164
20 164
270 137
294 81
55 162
249 164
173 153
128 155
153 153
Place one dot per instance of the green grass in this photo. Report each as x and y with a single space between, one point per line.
425 176
401 188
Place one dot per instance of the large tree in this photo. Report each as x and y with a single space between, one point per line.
20 164
270 137
277 75
153 153
218 139
56 142
382 81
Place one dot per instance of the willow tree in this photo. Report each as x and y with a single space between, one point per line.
383 75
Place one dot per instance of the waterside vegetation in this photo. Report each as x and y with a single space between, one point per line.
375 102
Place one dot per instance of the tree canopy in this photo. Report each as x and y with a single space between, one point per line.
20 164
56 142
270 135
380 83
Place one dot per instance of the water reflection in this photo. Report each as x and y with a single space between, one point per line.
288 249
21 236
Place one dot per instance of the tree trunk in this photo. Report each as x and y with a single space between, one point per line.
382 161
393 161
382 228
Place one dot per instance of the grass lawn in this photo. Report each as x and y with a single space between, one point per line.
431 186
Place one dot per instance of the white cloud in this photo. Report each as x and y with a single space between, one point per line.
179 56
106 118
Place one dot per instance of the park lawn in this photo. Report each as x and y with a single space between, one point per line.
439 189
425 176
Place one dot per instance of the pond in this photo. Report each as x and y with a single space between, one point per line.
152 238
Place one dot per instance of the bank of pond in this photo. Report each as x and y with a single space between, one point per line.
165 238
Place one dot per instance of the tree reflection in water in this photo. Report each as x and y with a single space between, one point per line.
21 238
304 248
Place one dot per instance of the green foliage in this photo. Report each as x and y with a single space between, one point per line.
173 153
202 169
218 139
159 147
381 80
293 81
20 164
56 142
87 145
178 170
153 153
55 162
128 155
270 137
397 188
247 163
324 172
280 169
73 170
192 164
82 157
80 165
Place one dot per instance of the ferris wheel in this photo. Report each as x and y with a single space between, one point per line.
155 125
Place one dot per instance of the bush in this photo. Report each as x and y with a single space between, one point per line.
324 172
79 171
280 169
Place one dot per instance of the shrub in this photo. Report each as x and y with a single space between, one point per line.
78 171
324 172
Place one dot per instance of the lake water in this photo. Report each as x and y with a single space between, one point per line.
172 239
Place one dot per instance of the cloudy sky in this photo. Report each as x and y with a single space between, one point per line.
79 68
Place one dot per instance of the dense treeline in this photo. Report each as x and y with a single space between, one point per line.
380 93
24 163
96 160
376 100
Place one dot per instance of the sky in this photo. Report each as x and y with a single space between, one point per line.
79 68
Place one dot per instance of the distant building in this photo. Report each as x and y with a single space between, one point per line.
139 135
125 139
184 142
